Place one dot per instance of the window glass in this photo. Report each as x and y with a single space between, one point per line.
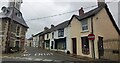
84 24
52 34
85 45
60 32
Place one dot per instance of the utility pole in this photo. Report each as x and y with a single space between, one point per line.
8 38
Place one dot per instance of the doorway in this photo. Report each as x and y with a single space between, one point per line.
100 47
74 44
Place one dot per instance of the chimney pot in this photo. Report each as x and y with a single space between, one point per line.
81 12
3 8
101 3
52 26
46 28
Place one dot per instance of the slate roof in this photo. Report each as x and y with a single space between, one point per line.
9 14
89 13
61 25
57 27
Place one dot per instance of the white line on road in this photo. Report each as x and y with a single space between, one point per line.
38 59
35 54
47 60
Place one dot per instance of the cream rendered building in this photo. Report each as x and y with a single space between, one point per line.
100 22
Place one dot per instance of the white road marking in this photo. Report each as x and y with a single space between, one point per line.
35 54
38 59
39 54
29 59
51 53
44 53
5 56
47 60
29 54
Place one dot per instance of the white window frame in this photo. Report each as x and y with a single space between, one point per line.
85 25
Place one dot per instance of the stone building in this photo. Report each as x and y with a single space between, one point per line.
12 27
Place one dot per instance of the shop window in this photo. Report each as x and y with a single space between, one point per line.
60 32
85 45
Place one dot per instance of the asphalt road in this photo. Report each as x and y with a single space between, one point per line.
37 54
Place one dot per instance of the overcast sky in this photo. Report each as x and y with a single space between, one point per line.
32 9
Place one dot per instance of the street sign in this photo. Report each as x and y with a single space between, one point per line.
91 37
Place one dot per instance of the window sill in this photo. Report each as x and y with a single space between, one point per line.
85 31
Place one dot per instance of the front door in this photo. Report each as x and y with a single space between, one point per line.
52 44
17 44
74 46
100 47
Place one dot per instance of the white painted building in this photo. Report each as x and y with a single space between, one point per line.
35 40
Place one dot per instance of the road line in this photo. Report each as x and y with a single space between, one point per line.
38 59
35 54
29 59
47 60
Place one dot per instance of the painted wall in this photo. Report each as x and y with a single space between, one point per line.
66 34
76 32
104 27
35 41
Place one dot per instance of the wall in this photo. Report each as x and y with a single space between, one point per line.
76 32
3 29
104 27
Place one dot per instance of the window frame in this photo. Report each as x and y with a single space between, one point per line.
60 32
52 34
85 50
84 23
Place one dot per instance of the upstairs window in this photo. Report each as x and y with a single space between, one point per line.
84 24
60 32
18 31
47 36
18 15
52 34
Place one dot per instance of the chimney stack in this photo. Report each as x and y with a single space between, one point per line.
101 3
46 28
81 12
4 9
52 26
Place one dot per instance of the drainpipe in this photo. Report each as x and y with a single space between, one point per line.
92 32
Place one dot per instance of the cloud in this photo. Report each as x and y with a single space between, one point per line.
36 8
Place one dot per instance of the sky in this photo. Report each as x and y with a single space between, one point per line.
33 9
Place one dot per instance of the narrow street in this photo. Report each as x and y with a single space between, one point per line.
37 54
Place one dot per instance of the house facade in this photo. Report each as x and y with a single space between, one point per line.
12 27
35 40
99 22
30 42
59 37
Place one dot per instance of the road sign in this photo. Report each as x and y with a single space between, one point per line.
91 37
